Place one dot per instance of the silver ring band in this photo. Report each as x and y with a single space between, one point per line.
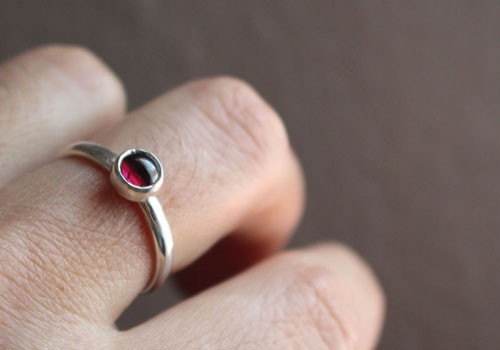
136 175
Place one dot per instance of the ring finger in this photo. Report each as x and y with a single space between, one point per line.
69 238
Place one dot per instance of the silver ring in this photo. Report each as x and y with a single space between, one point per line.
136 175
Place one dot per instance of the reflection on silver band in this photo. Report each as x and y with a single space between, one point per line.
137 182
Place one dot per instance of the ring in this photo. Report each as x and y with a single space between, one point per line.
136 175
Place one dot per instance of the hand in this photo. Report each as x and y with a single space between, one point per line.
74 254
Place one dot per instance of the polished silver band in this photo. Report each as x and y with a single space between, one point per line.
136 175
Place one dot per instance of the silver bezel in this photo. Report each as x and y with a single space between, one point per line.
128 190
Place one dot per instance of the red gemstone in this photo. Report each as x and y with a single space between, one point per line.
139 170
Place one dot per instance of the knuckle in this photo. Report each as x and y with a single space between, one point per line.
77 53
242 115
69 58
80 67
310 303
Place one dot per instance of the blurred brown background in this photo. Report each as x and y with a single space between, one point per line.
393 107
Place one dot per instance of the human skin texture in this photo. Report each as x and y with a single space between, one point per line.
74 254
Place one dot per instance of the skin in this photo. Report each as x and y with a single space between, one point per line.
73 254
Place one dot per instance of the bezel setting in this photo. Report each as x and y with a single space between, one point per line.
129 190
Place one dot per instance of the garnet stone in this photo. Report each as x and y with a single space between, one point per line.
139 170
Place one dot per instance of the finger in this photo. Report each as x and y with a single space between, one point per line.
324 297
49 97
228 168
